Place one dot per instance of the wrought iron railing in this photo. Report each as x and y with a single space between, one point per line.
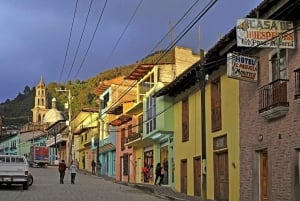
133 137
273 95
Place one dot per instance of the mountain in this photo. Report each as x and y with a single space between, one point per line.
17 112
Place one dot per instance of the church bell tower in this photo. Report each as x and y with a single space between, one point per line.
40 103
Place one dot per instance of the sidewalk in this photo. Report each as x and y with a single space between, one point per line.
160 191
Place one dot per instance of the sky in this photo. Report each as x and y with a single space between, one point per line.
44 39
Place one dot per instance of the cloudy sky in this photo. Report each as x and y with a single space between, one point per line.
35 35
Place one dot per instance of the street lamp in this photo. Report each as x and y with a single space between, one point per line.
70 135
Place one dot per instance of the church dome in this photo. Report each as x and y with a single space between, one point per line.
53 115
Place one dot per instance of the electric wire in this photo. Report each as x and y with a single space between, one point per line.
91 41
188 28
79 43
196 19
122 34
166 35
67 50
224 59
130 87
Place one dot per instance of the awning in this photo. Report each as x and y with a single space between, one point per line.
107 147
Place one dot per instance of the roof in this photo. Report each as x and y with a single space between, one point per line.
140 71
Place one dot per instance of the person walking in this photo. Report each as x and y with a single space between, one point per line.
73 170
93 167
157 173
62 170
162 174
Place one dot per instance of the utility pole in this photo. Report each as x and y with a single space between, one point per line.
98 142
70 135
202 79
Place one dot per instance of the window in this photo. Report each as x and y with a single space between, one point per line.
279 65
105 100
129 130
146 85
185 120
216 118
123 139
140 124
150 114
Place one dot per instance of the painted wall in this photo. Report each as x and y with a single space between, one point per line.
230 128
190 149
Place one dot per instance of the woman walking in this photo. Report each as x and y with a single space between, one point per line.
73 170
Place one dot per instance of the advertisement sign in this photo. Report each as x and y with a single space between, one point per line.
242 67
251 32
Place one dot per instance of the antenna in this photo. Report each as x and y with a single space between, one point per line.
171 33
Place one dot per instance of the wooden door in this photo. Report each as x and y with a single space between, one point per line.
121 168
221 176
264 176
183 173
197 176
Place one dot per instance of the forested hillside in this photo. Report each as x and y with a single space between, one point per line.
17 112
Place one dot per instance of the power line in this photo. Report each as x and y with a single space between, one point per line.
122 34
166 35
67 50
188 28
79 43
196 19
90 44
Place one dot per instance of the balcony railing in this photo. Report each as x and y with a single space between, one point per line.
273 99
297 84
133 137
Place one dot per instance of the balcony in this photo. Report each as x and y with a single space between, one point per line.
273 102
133 137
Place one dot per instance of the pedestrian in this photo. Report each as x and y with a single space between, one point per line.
99 168
157 173
73 170
93 167
62 170
162 174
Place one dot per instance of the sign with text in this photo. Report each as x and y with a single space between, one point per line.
251 32
242 67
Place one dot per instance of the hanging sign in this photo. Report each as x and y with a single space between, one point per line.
242 67
252 32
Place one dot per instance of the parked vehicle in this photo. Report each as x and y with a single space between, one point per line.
39 156
14 169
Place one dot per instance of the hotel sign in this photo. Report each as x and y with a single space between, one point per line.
251 32
242 67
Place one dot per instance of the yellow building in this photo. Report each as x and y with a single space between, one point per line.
206 132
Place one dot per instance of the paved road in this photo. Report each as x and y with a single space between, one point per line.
46 187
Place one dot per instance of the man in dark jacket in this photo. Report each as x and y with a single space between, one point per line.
62 170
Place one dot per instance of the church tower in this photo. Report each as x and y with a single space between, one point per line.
40 103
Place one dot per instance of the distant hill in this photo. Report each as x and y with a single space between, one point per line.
17 112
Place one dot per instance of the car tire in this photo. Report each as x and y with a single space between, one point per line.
30 180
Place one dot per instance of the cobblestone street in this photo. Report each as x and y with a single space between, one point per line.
46 187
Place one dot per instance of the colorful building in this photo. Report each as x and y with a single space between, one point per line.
155 142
